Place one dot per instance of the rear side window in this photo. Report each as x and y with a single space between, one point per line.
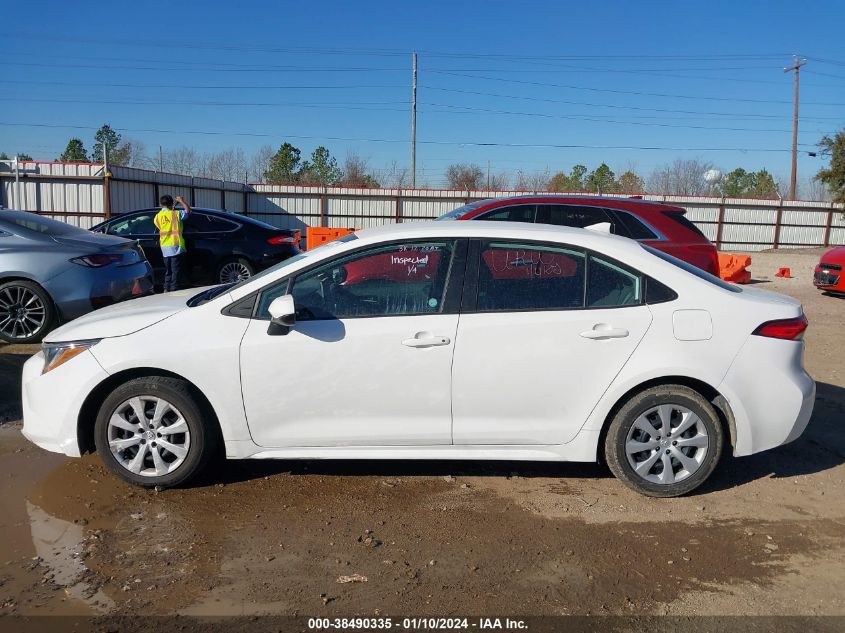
678 216
636 229
609 285
515 213
530 277
573 215
693 270
204 223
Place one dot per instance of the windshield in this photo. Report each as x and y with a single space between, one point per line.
37 224
694 270
457 214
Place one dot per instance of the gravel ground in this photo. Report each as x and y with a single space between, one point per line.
765 536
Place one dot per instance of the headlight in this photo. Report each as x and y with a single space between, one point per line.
56 354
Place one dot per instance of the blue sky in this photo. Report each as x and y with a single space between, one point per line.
621 75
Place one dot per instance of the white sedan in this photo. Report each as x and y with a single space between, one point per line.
459 340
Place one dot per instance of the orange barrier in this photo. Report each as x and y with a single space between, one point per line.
316 235
733 268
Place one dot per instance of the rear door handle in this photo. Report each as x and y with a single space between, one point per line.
603 331
423 339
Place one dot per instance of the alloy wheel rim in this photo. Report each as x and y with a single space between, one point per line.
148 436
22 312
234 272
667 444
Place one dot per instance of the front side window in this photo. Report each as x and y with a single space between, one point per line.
515 213
609 285
138 224
394 280
530 277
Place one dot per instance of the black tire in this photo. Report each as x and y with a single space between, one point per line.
227 267
623 424
13 294
203 438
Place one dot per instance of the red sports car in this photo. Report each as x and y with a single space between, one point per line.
828 275
658 225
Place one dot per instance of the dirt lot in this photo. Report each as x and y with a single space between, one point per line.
765 536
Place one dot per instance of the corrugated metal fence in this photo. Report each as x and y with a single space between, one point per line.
83 194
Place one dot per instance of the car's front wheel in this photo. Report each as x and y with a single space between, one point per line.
665 441
152 432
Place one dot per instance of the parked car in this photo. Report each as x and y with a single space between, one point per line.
658 225
223 247
828 274
51 272
572 345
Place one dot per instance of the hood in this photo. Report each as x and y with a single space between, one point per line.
834 256
123 318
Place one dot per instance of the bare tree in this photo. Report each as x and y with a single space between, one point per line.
536 181
259 164
464 176
683 177
812 189
230 164
183 160
356 172
497 182
396 176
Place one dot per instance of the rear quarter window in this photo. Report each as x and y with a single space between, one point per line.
678 217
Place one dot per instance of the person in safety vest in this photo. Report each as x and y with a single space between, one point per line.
169 222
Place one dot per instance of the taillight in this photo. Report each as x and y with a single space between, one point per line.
282 239
787 329
97 260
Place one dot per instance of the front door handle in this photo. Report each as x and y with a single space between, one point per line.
424 339
603 331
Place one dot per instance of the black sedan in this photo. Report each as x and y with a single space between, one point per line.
223 247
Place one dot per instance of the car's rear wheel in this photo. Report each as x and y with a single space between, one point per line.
234 270
665 441
26 312
153 432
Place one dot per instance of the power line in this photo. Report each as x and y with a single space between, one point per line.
615 106
625 92
195 86
429 142
274 104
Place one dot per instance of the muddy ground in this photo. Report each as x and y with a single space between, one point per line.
766 535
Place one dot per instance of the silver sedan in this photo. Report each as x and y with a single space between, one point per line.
52 272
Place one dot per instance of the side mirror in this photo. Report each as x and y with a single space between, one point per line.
282 315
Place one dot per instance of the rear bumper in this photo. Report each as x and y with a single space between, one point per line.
80 290
770 393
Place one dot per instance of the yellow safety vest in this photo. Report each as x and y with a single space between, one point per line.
169 225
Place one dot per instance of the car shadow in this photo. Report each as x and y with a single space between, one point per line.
835 295
821 447
12 359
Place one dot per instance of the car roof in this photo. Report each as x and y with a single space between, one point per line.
494 230
569 197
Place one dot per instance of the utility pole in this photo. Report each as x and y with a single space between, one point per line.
488 175
414 124
793 178
160 159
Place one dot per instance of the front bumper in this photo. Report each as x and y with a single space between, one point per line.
52 401
826 278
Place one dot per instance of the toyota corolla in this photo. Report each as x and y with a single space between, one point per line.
443 340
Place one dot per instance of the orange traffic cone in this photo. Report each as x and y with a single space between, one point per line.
783 272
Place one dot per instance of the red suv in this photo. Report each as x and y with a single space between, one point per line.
658 225
828 274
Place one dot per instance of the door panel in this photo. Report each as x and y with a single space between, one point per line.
531 377
369 360
549 329
349 382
